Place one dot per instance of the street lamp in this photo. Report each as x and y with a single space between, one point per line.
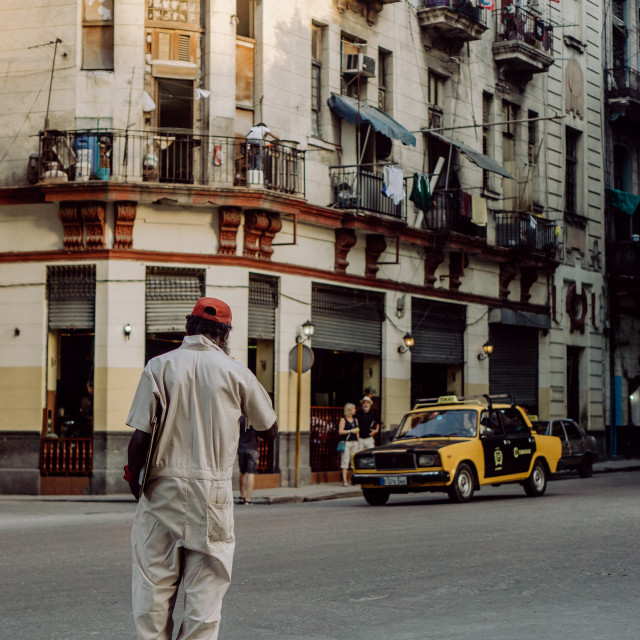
487 350
308 329
409 341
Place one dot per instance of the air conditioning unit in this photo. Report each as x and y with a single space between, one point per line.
359 64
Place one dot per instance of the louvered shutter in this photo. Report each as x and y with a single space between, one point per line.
71 294
263 301
438 332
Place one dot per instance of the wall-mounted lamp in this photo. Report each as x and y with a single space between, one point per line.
308 329
408 340
487 350
127 330
16 332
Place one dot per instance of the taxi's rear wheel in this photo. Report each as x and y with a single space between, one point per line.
376 497
461 490
536 484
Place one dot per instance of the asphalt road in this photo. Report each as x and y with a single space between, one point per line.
504 567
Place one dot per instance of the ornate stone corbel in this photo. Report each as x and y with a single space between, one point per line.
376 244
507 273
255 224
345 239
275 224
458 262
71 227
93 217
369 9
125 217
432 260
528 277
229 219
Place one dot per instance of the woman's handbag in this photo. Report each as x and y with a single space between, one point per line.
342 445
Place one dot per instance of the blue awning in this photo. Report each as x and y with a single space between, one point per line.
480 159
354 112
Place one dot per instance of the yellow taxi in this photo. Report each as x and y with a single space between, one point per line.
458 445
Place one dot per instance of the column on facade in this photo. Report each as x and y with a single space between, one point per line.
119 360
476 373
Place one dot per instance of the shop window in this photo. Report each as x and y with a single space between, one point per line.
97 35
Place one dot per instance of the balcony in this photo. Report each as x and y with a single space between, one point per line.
624 258
169 157
523 41
359 187
526 232
623 94
458 20
448 215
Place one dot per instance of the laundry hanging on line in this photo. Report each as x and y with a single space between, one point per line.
421 194
393 183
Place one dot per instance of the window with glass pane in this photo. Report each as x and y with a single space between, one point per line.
316 80
572 138
97 35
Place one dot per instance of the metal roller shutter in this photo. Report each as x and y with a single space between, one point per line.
513 366
263 301
347 319
71 294
170 296
438 330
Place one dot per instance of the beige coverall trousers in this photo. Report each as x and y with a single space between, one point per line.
182 531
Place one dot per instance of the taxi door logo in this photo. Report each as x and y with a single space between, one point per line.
497 459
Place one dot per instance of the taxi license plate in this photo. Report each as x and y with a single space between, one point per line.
393 481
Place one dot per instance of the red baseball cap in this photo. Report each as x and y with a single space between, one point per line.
212 309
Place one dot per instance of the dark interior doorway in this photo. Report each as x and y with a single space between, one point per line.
74 387
159 343
428 380
336 378
573 383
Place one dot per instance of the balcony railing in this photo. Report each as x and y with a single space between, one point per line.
173 157
449 212
463 7
520 25
360 187
516 229
66 456
623 82
624 258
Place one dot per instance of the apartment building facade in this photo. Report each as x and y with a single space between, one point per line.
432 175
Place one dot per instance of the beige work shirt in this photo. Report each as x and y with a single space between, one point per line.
200 392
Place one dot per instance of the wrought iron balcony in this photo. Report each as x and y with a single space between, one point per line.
623 93
624 258
360 187
458 20
526 232
523 41
449 213
173 157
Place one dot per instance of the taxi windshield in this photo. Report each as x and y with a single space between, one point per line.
433 423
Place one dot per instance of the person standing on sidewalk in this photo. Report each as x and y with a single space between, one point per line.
348 430
183 528
368 423
248 456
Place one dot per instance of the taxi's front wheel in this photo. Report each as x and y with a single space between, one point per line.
536 484
376 497
461 490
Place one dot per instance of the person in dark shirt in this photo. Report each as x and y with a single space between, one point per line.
368 423
248 457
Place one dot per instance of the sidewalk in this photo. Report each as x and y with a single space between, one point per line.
309 493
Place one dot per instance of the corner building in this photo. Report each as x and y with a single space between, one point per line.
128 188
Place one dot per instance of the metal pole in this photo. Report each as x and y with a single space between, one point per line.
53 68
298 397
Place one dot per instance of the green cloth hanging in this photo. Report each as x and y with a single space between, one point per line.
420 194
624 201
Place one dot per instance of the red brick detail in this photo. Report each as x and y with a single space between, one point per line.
458 262
528 277
345 239
375 246
432 260
228 223
93 217
71 227
275 224
255 224
507 273
125 217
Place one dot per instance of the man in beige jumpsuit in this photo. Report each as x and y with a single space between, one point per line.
183 527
